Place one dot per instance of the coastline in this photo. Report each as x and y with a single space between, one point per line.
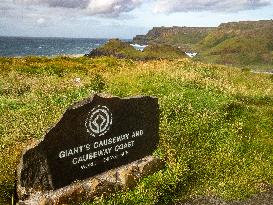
47 47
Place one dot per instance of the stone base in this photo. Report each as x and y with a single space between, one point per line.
108 182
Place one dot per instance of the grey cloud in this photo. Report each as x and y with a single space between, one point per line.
170 6
118 8
111 7
6 5
90 7
55 3
7 8
68 3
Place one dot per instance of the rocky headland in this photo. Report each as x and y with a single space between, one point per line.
119 49
243 43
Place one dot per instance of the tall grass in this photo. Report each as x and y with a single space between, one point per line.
216 123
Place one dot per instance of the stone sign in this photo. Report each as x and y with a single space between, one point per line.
93 136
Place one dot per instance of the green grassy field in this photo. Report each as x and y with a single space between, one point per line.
216 122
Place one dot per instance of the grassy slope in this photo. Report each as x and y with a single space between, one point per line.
242 43
117 48
155 51
184 40
247 43
184 37
216 123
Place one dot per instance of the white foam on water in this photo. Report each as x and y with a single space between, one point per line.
191 54
138 46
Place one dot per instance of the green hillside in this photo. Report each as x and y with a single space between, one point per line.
240 43
116 48
120 49
183 37
244 43
216 122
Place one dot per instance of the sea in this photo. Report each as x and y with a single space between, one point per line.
29 46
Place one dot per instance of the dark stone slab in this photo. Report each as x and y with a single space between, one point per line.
121 178
93 136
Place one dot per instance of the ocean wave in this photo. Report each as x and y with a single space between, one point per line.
138 46
191 54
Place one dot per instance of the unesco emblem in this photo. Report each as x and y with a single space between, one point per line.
98 121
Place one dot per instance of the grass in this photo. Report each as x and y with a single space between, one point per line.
216 122
119 49
184 37
243 43
240 43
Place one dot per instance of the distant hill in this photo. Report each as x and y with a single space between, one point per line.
183 37
120 49
116 48
238 43
244 43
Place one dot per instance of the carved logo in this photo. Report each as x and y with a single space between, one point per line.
98 121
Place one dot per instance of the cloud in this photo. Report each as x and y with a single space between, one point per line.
107 8
112 7
41 21
119 8
55 3
170 6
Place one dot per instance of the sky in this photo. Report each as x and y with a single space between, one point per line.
120 18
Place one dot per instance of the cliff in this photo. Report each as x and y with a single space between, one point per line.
244 42
183 37
238 43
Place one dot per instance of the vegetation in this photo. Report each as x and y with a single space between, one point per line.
245 43
119 49
155 51
216 122
183 37
116 48
242 43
